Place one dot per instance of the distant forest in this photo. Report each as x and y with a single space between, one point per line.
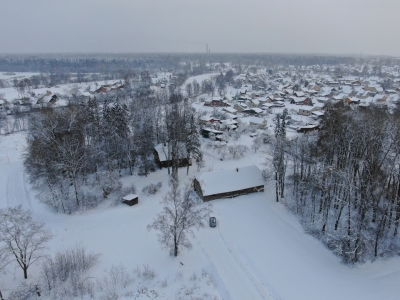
114 63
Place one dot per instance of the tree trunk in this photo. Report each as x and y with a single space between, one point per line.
338 218
76 192
276 186
175 247
380 229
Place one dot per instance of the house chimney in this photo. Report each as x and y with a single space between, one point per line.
237 169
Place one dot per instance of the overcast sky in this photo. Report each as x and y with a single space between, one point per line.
284 26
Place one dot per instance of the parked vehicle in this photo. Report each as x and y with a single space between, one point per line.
213 222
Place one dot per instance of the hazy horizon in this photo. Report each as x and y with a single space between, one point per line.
320 27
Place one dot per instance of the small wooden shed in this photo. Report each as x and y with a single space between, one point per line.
130 199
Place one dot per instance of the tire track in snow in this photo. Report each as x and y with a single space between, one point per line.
244 267
238 280
16 191
222 290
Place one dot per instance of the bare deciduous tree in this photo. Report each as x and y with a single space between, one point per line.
183 211
22 238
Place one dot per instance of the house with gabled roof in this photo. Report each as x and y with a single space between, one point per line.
306 110
229 183
162 154
230 110
352 100
259 122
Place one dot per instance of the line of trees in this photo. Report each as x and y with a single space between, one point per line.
345 182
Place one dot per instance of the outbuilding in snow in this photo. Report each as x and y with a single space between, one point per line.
229 183
130 199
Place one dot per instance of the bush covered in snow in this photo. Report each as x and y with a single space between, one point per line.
152 188
67 274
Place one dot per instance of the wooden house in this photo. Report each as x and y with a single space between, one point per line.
298 100
253 111
205 132
207 119
162 156
240 107
230 110
229 183
352 100
259 122
307 110
216 101
307 128
254 103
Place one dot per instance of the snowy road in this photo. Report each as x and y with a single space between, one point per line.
231 270
16 190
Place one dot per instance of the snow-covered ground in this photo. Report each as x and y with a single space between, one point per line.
257 251
200 78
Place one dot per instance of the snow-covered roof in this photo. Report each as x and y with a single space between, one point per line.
257 110
347 89
230 110
255 102
306 108
225 181
318 113
213 130
257 120
341 96
322 99
229 122
393 98
262 99
162 150
206 118
130 197
228 97
230 116
297 99
267 105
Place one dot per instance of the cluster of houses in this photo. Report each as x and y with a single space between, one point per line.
303 93
51 97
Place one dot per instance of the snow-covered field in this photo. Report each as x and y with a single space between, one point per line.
257 251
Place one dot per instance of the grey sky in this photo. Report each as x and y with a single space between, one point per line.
286 26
